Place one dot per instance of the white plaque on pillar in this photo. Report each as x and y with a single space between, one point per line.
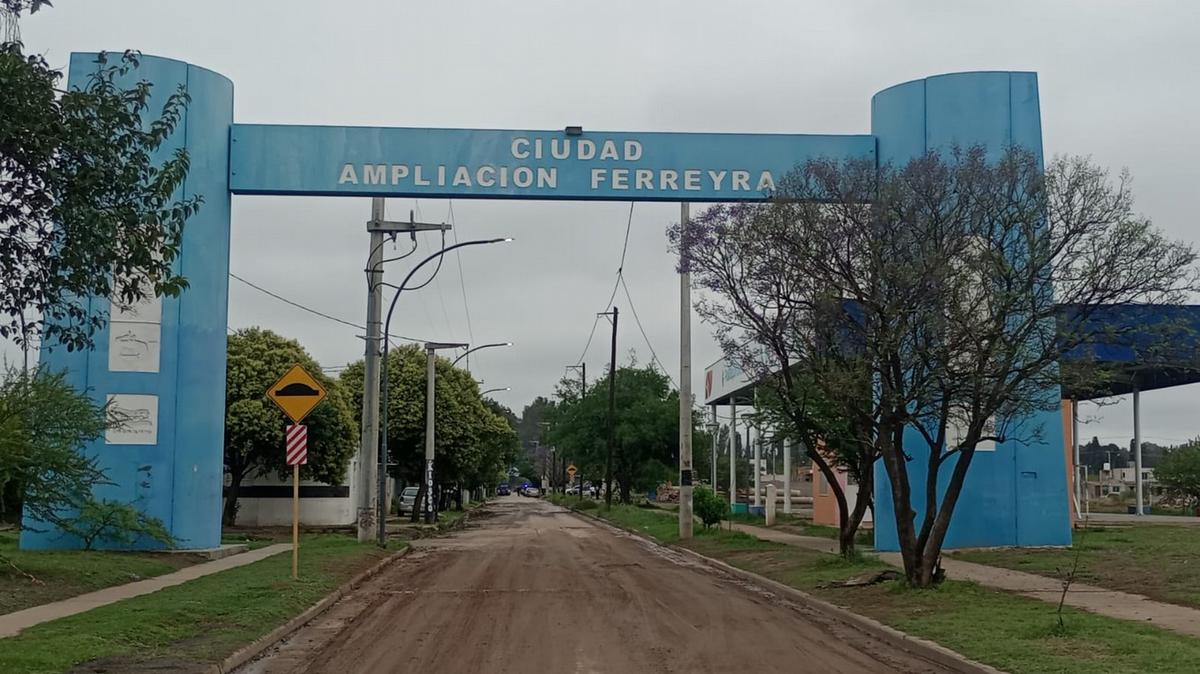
133 347
135 418
148 310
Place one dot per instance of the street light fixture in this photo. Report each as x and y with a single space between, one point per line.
493 390
382 505
470 351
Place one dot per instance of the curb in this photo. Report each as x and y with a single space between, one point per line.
256 648
922 648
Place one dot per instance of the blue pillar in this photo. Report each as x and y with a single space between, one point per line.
164 361
1015 494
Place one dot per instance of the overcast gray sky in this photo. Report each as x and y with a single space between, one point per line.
1117 82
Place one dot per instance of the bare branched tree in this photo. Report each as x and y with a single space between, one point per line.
937 300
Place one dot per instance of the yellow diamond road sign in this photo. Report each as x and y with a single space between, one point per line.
296 393
571 470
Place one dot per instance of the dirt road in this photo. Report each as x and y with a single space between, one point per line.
529 587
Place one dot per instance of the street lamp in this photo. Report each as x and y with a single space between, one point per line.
493 390
470 351
713 431
382 505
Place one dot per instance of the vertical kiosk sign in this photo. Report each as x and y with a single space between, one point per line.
296 393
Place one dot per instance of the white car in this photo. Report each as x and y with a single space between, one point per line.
407 497
532 491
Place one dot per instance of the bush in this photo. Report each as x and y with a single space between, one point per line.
118 524
709 506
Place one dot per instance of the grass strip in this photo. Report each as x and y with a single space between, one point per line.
1008 631
201 621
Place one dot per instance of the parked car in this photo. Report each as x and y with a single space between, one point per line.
532 492
503 490
407 498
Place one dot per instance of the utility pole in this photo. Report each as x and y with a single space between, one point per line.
685 385
612 409
372 461
368 449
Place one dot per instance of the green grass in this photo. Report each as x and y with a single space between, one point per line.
67 573
1007 631
1161 561
201 621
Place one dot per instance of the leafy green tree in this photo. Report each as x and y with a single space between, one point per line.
43 424
647 430
1179 473
472 442
89 207
255 427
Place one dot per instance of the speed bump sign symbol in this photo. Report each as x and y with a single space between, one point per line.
296 393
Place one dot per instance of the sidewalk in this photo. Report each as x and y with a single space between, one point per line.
1121 518
1111 603
11 624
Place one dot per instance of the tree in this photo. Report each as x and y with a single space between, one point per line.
44 423
1179 474
946 292
647 431
779 326
472 443
254 426
88 207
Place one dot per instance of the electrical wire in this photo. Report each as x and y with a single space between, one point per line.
616 284
310 310
462 283
653 355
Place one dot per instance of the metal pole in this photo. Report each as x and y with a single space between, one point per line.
369 447
787 476
757 445
685 388
612 412
716 428
733 438
430 358
1137 446
1079 486
295 520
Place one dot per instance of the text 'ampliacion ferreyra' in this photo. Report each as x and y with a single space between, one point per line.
533 167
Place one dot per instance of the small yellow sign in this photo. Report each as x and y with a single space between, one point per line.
571 470
296 393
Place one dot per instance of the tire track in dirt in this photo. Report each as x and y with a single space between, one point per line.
533 587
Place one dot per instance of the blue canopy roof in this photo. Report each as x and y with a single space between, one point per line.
1133 345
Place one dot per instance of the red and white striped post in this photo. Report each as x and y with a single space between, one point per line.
296 453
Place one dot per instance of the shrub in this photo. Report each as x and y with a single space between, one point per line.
709 506
120 524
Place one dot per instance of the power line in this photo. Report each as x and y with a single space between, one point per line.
653 355
462 283
616 284
317 313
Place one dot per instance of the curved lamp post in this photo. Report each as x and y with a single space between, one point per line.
493 390
383 450
470 351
